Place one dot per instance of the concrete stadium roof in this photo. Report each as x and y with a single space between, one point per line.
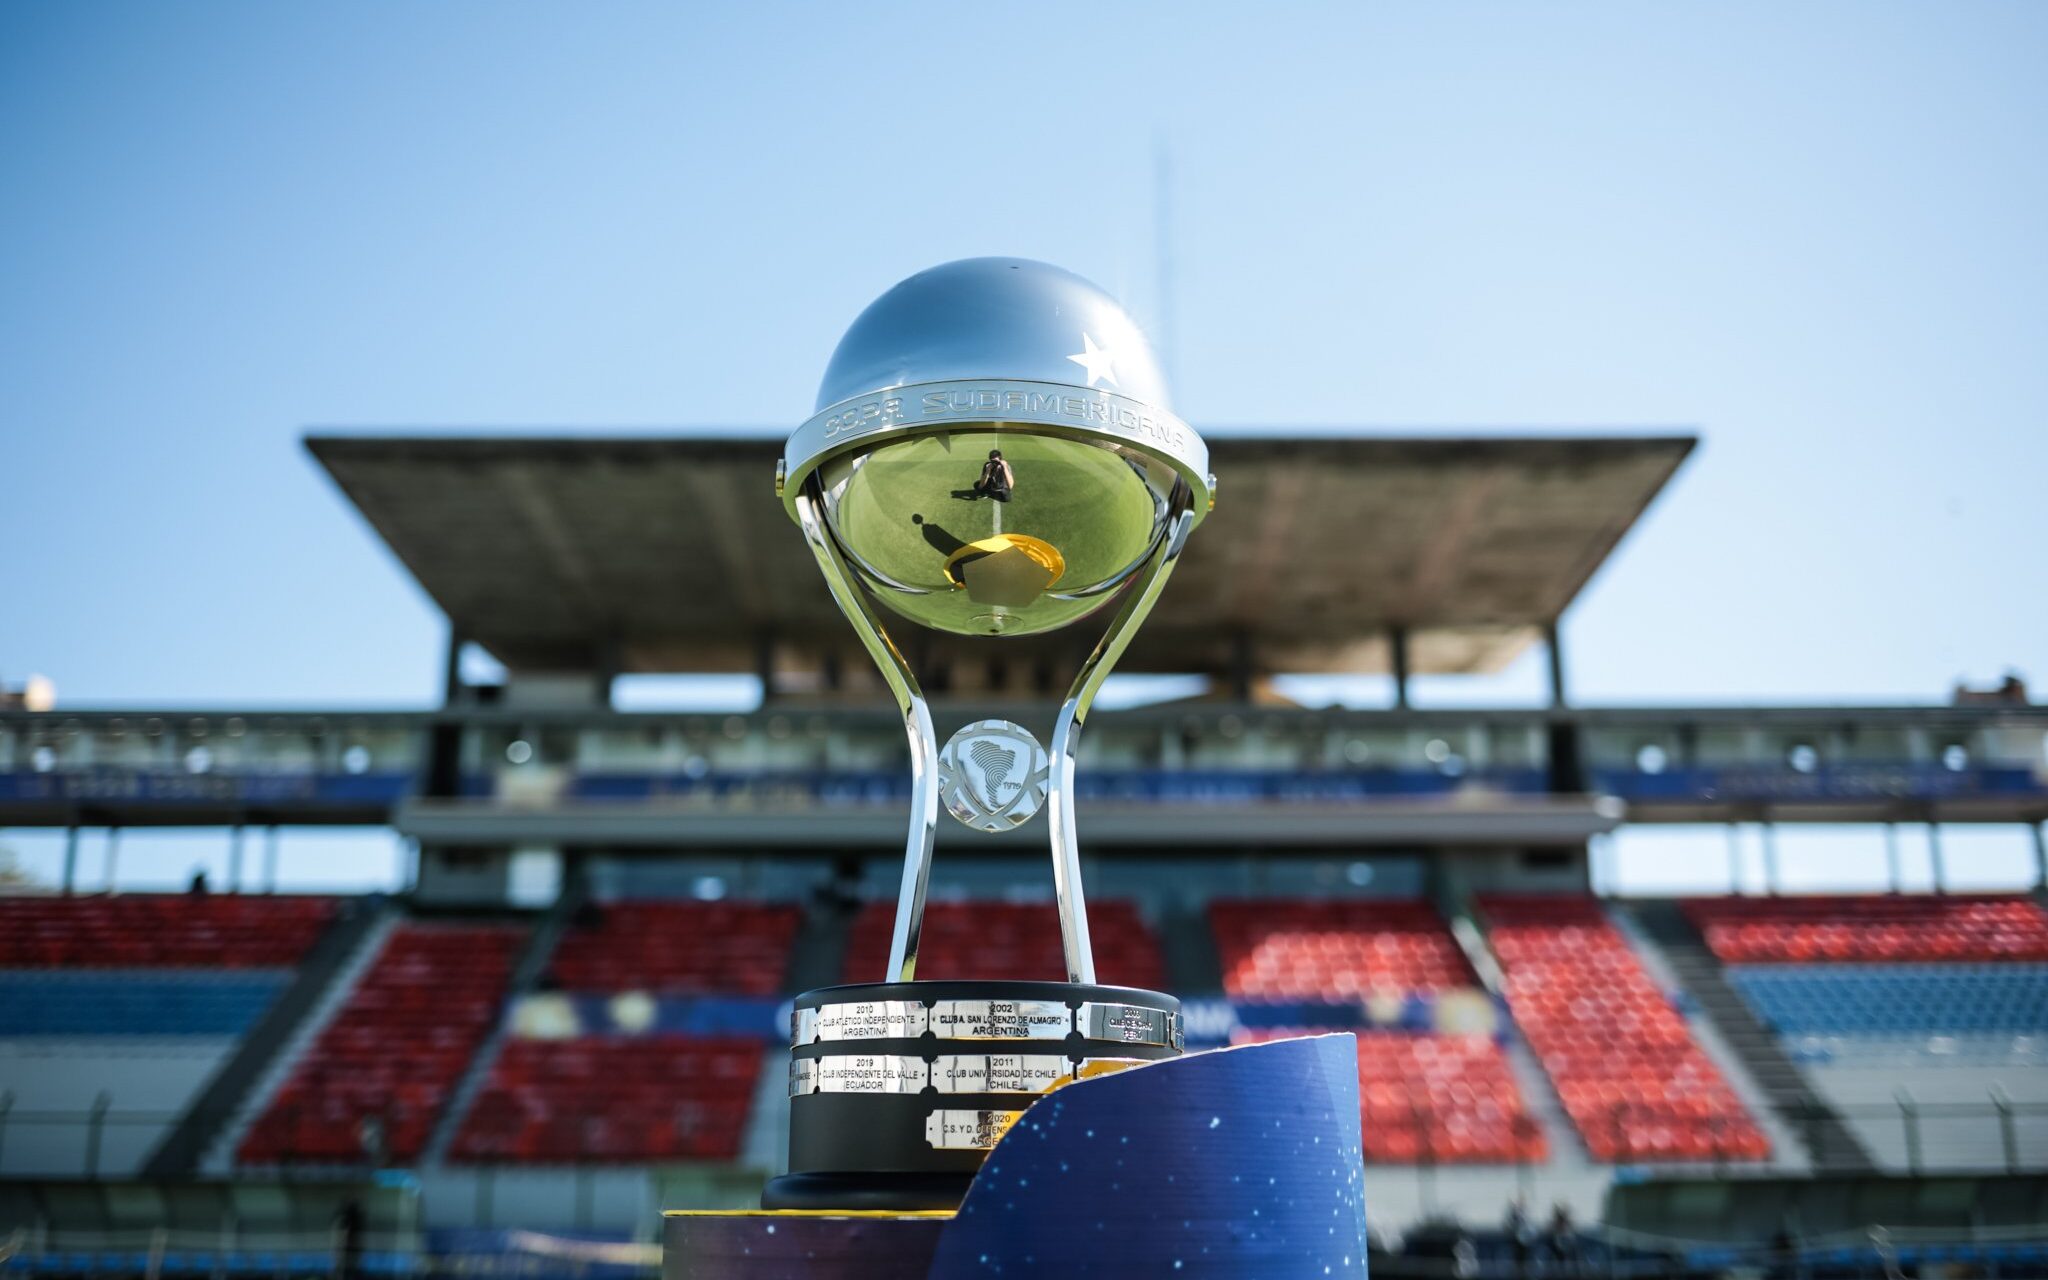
669 553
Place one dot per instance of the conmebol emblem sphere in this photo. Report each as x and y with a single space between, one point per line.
992 775
994 449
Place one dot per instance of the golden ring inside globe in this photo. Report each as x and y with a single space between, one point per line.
996 529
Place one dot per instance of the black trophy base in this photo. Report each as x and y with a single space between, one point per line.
888 1192
899 1090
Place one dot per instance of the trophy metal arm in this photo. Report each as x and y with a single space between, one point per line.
1066 742
917 726
896 671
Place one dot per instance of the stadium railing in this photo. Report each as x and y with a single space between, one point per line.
329 1255
1446 1250
81 1132
326 766
2017 1131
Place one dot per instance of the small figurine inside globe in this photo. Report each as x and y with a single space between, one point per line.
995 531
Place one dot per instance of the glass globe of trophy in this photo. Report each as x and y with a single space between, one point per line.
993 455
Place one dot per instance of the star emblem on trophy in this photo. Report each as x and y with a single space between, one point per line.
967 471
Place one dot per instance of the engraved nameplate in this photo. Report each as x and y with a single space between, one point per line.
858 1073
1000 1020
1129 1024
1000 1072
967 1130
860 1020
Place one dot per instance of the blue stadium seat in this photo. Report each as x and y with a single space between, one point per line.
1901 1000
158 1003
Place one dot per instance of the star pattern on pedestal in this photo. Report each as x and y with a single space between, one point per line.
1100 362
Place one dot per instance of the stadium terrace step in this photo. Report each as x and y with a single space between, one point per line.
533 961
240 1106
1636 1084
1828 1141
393 1051
320 976
612 1097
1910 1015
1567 1148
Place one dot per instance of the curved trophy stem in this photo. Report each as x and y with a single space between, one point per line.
917 725
1066 741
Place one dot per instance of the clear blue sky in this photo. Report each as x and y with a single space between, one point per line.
1814 232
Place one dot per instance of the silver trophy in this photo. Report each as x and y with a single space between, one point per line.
992 455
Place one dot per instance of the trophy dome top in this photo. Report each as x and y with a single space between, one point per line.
993 451
983 318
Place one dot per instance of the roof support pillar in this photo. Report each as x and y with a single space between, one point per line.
70 859
1397 641
1241 665
451 668
1042 682
440 745
1893 875
2040 830
113 856
235 834
1555 648
764 664
605 665
1734 857
1769 831
1936 857
270 858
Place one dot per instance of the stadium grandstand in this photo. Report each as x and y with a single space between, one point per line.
574 1011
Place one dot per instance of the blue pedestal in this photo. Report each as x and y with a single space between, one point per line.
1238 1163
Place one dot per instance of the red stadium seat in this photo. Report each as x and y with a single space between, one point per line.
1440 1099
680 947
1437 1099
395 1049
610 1099
1872 930
1335 950
984 940
160 930
1630 1075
